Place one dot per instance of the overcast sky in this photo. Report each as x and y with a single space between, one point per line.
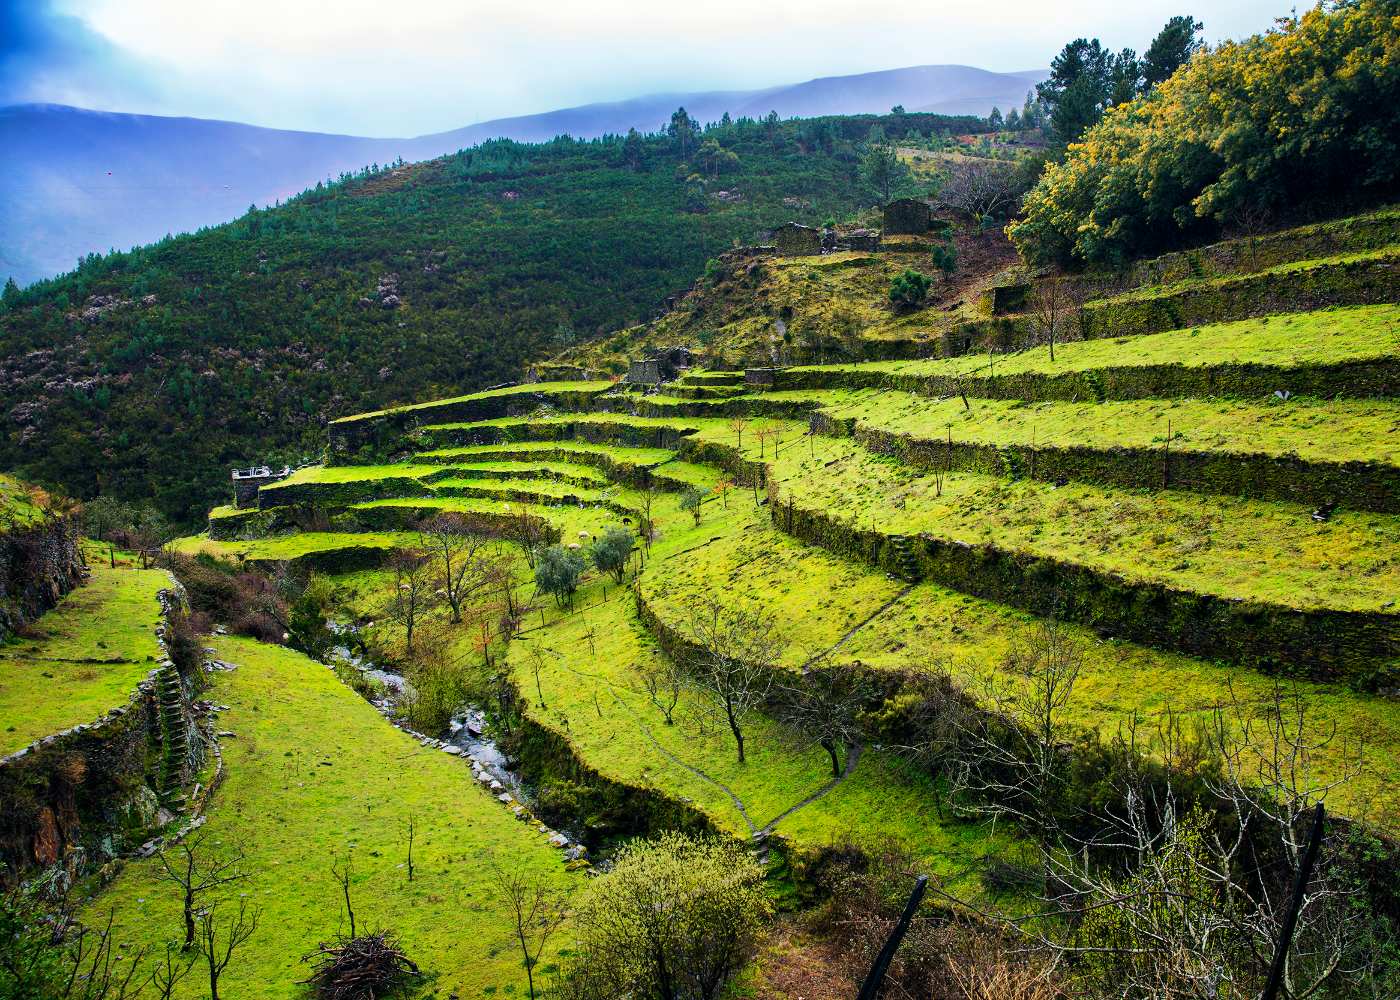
406 67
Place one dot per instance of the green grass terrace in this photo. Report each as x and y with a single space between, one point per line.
83 658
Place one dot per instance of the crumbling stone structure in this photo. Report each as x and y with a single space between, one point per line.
38 565
646 371
796 240
246 483
667 363
858 240
907 217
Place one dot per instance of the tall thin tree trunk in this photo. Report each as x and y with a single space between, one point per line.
830 747
734 728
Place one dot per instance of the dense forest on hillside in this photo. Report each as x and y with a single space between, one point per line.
150 373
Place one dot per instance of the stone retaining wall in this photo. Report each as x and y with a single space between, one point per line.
1356 647
1371 281
81 797
1352 235
1378 377
1288 478
38 565
378 437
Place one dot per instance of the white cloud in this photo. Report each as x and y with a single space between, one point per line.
397 67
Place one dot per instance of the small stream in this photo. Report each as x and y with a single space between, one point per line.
468 738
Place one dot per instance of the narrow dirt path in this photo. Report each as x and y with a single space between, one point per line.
852 758
856 628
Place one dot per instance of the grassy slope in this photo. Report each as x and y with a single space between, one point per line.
1216 545
17 506
313 774
732 310
824 605
84 657
294 545
1328 336
631 456
506 392
593 696
1316 430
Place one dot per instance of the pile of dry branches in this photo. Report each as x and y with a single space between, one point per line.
361 968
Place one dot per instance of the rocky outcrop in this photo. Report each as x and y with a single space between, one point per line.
38 565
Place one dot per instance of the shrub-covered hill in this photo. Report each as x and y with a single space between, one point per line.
787 310
1292 123
149 373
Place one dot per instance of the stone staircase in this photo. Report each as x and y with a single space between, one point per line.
175 747
906 564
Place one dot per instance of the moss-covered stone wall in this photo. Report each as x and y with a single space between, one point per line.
1352 379
1359 648
379 437
1367 281
1356 485
38 565
84 796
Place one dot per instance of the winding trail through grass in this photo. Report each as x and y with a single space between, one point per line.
851 759
850 633
755 831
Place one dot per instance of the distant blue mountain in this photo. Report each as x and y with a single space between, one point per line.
78 181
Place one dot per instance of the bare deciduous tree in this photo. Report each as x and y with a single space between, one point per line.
735 660
982 189
737 425
536 912
537 667
1164 894
195 867
823 706
647 528
412 596
1054 307
170 969
1012 759
531 533
218 941
664 680
459 558
344 874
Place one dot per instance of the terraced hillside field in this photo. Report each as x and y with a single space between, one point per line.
1209 546
1206 515
83 658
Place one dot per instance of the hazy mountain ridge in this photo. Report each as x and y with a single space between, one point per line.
83 181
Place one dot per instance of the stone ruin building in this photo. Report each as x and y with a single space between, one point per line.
247 481
663 367
907 217
796 240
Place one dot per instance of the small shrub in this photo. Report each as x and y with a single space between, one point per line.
691 501
676 916
611 552
909 289
557 573
358 681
